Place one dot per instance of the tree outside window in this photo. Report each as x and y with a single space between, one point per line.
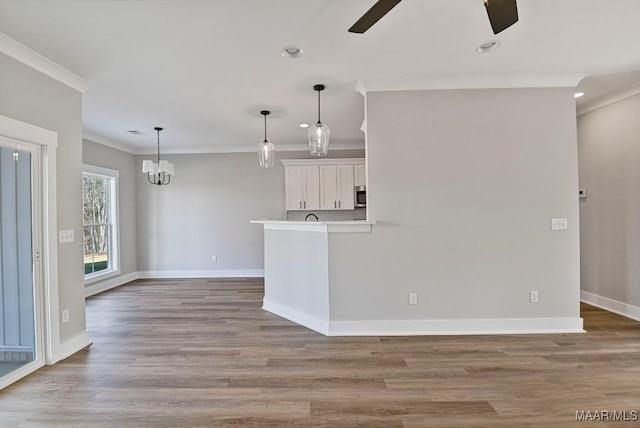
99 218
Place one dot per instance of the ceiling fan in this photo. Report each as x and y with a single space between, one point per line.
502 14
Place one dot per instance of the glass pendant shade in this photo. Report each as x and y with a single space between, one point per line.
319 139
266 150
319 133
266 154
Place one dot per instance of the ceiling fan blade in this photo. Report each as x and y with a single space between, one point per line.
373 15
502 14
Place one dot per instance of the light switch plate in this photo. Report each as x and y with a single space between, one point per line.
65 236
558 224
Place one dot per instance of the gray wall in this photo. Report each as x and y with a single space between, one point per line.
463 184
206 210
30 96
99 155
609 152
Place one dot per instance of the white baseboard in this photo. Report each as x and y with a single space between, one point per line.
70 347
220 273
306 320
110 283
455 327
620 308
117 281
426 327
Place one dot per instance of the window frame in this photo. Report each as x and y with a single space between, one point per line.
113 179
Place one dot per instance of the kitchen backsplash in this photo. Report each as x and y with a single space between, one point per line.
357 214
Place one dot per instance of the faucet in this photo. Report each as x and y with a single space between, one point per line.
311 215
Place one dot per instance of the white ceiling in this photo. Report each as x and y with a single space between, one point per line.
203 69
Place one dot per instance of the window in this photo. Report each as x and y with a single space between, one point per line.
100 218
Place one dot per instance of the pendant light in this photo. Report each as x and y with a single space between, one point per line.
158 173
266 150
319 133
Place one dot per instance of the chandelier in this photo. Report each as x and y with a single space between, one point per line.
158 173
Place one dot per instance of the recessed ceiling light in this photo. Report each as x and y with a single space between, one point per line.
136 132
489 46
292 52
304 125
578 94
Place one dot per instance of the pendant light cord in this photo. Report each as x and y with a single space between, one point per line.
319 107
158 131
265 128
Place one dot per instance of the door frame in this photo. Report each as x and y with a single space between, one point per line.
36 244
46 304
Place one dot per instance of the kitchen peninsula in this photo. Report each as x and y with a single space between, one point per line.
297 265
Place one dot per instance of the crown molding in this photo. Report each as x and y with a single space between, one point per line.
472 81
611 98
33 59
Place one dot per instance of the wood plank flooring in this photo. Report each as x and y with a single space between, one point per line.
202 353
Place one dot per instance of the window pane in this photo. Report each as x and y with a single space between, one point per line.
98 214
95 200
96 248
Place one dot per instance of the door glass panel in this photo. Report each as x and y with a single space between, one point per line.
17 335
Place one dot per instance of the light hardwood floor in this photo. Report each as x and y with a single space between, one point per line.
202 353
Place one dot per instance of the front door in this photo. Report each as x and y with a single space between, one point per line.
20 335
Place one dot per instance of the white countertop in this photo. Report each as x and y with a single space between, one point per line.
318 226
349 222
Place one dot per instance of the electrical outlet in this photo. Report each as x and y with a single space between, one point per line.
413 298
65 316
533 296
214 258
582 194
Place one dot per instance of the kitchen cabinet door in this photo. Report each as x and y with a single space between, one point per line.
336 187
328 187
302 188
293 187
359 175
345 187
311 187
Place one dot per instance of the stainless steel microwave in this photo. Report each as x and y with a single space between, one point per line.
360 196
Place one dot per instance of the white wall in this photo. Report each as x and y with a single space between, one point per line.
30 96
463 184
206 210
609 152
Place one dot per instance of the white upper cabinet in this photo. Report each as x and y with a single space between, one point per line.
336 187
359 176
326 184
345 187
311 188
293 187
302 187
328 187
